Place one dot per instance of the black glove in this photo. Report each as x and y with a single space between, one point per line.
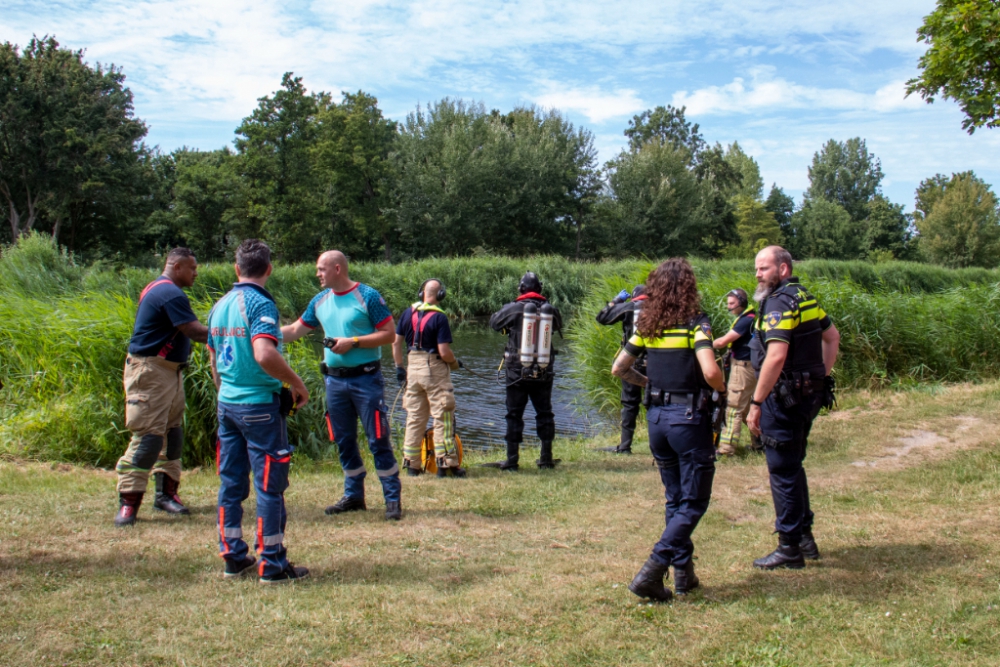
461 364
719 413
829 392
400 375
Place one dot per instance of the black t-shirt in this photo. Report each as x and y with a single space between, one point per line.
432 328
163 306
744 327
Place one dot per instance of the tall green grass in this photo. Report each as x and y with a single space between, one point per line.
64 330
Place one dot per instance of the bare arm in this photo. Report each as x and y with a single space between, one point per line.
777 351
215 370
292 332
725 341
447 356
831 346
397 349
194 330
384 334
266 354
710 369
624 368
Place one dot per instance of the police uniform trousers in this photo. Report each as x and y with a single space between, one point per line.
681 443
631 400
154 413
429 394
784 433
519 392
739 393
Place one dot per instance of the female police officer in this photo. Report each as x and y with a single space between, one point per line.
677 338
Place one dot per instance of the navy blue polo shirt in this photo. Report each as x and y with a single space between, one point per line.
744 327
433 328
163 306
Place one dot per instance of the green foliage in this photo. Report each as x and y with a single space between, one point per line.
963 38
665 125
847 174
822 228
71 161
782 206
752 185
959 221
756 227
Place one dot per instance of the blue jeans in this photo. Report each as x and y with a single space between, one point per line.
346 400
681 444
253 438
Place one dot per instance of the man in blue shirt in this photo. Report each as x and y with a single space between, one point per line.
244 344
356 323
742 379
158 352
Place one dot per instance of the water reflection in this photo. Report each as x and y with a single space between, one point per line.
480 409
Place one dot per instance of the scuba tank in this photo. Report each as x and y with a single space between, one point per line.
529 327
545 335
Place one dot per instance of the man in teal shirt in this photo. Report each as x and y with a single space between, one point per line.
244 343
356 324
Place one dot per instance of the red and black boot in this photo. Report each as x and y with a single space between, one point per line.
167 499
128 507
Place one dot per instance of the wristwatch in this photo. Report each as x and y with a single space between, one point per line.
356 343
756 402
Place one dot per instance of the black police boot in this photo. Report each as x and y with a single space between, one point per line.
807 545
128 506
513 456
788 554
648 583
685 579
167 499
346 504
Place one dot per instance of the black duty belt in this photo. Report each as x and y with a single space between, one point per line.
658 399
352 372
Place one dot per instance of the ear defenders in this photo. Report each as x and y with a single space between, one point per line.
740 295
441 293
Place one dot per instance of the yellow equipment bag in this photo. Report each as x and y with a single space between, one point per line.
427 457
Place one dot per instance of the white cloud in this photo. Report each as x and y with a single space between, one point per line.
762 93
597 105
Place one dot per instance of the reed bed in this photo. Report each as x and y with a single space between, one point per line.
65 329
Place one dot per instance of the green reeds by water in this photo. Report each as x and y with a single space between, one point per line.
64 330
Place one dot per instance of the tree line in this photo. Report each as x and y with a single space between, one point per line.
308 171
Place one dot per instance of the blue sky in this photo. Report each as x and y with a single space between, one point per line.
780 77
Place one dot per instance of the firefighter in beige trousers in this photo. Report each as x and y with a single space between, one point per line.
158 352
423 329
742 379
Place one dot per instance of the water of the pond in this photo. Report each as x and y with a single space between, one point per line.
480 410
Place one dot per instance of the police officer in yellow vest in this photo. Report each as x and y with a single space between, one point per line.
681 374
742 379
795 349
424 331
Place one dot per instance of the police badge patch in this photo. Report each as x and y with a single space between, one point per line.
772 319
706 329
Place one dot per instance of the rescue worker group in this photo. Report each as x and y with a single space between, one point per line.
778 361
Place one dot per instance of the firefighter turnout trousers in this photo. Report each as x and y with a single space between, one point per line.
429 394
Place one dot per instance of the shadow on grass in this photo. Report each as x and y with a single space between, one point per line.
863 573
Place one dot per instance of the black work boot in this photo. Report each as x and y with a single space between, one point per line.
393 510
615 450
545 459
128 506
346 504
685 579
807 545
648 583
238 568
167 499
788 554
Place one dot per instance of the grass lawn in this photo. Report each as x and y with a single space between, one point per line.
531 568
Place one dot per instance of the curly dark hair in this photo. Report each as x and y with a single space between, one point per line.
672 298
